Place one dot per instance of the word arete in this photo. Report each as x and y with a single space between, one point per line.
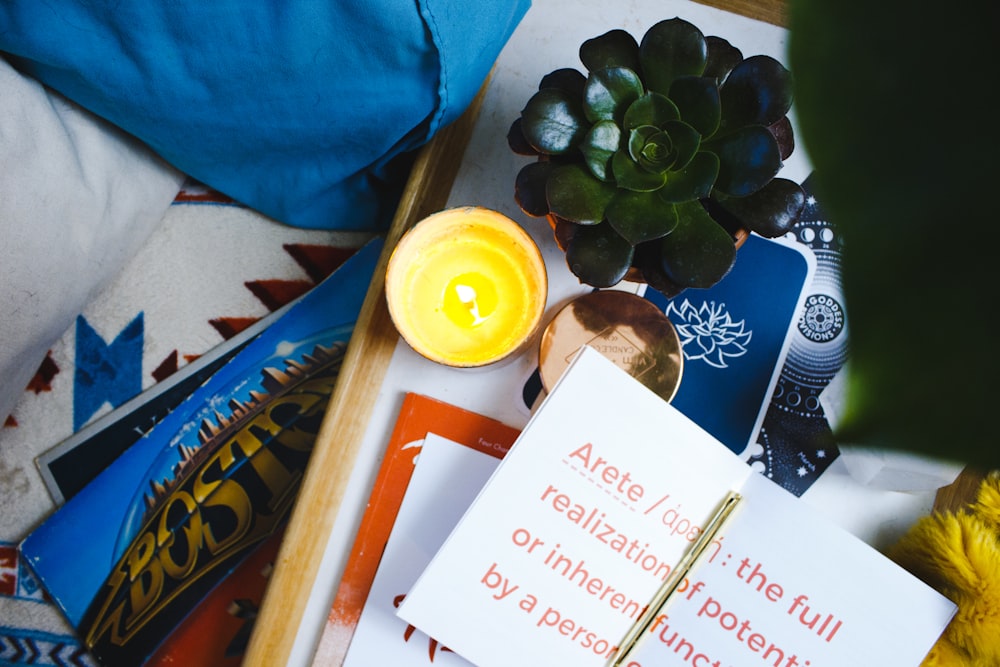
621 482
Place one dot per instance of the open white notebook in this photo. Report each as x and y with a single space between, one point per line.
603 493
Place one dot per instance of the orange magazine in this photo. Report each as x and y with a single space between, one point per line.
418 416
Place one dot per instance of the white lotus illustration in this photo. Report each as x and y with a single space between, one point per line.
708 332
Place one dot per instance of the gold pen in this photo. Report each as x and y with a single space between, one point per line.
677 575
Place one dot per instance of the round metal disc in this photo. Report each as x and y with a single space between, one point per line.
624 327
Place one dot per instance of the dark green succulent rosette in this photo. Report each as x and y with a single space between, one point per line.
658 158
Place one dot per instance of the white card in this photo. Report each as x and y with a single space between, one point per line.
446 479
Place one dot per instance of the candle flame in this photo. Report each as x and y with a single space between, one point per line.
467 295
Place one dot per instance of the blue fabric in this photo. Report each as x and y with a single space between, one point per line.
296 108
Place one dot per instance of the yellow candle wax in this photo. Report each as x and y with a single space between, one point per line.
466 287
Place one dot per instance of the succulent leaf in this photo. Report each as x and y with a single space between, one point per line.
783 132
574 194
598 256
647 261
685 141
516 141
640 216
757 92
698 253
772 211
748 159
722 58
563 230
553 122
599 146
630 176
529 188
658 153
670 49
650 109
697 100
566 79
615 48
610 92
693 182
650 147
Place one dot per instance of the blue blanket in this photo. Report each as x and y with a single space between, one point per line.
300 109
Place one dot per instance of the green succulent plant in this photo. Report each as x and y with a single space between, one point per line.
656 159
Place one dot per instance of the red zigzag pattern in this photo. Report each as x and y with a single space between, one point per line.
318 261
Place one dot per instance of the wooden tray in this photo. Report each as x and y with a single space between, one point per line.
367 359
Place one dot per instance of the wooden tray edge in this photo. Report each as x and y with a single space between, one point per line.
346 420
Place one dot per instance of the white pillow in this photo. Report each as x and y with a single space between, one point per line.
77 198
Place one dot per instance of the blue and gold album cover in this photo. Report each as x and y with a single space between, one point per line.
134 551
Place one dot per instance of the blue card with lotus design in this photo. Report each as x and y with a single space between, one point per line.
735 336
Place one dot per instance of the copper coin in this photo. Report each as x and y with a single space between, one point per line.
626 328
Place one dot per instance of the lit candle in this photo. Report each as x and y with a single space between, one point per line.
466 287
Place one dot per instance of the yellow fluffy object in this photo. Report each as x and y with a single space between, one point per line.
958 553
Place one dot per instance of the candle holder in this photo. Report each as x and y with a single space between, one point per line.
626 328
466 287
